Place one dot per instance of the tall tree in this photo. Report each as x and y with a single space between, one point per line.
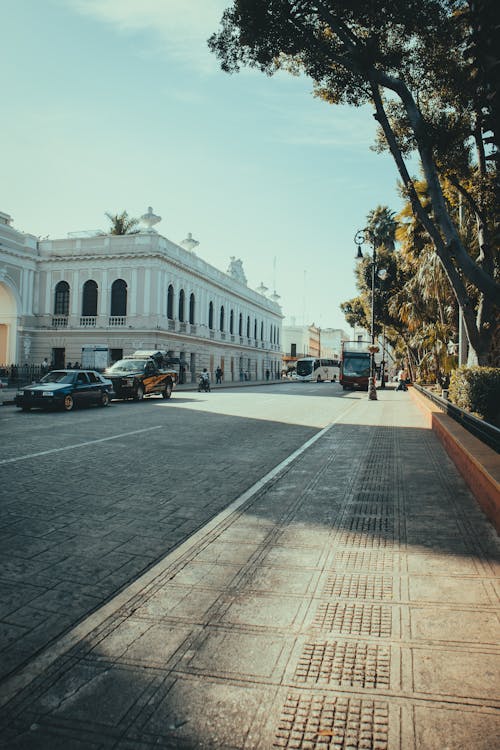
122 223
407 60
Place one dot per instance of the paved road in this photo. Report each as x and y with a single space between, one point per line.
93 498
350 601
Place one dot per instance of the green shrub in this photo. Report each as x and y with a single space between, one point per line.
477 390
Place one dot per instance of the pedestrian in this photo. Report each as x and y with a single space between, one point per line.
69 366
44 366
218 375
402 381
76 366
267 374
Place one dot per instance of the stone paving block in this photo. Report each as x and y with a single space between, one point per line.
225 552
277 580
174 601
457 674
93 695
440 728
448 589
142 643
273 612
236 654
459 625
203 713
293 557
437 563
206 574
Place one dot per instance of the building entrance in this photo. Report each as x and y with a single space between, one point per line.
8 326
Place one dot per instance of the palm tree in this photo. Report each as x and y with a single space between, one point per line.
122 223
382 226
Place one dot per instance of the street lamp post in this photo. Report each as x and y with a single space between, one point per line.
365 237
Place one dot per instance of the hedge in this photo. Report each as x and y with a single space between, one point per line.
477 390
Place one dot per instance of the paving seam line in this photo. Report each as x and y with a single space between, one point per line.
40 663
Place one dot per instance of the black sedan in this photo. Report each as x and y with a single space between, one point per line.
65 389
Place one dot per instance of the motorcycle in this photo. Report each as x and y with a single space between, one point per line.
204 385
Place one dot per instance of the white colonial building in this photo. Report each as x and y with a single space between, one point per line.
129 292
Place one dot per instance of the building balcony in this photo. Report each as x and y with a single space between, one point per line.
88 321
117 321
60 321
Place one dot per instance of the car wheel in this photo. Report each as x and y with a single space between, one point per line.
139 393
167 391
68 403
104 401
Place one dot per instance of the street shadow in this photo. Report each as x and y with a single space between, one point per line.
369 490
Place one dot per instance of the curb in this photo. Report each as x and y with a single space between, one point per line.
478 464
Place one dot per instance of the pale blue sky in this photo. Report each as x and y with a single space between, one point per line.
117 104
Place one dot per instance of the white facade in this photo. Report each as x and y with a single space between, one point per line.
128 292
331 342
300 341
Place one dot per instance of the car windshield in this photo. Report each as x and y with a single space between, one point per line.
58 376
305 368
125 365
356 366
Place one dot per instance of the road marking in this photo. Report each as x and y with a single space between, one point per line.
38 664
76 445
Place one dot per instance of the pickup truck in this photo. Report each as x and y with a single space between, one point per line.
142 374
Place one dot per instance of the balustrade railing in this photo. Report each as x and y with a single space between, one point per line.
60 321
88 321
116 321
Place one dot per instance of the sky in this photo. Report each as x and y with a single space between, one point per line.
112 105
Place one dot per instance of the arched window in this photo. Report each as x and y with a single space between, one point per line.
231 321
89 298
61 298
262 331
181 305
170 302
221 321
240 325
191 309
119 298
248 326
211 315
255 328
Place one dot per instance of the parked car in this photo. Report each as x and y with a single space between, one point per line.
65 389
4 378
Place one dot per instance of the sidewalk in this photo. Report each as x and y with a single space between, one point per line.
349 602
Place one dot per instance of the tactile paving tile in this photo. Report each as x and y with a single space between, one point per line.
344 663
320 721
372 524
366 507
354 619
364 541
358 586
370 561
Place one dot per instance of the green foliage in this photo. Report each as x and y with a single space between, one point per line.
430 69
477 390
122 223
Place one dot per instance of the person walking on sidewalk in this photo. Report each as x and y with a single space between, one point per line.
402 381
218 375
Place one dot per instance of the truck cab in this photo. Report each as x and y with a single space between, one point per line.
142 374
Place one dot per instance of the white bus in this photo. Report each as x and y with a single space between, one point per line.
317 369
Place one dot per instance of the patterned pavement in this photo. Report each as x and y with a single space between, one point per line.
351 602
